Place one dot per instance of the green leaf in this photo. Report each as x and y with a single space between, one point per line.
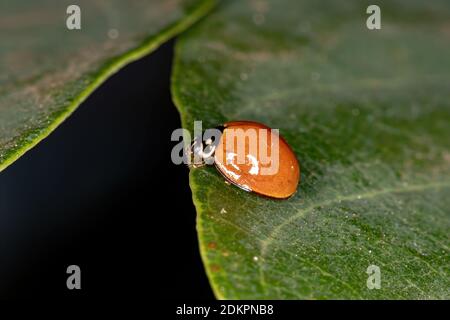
47 70
368 116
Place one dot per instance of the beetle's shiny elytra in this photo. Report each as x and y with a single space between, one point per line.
249 175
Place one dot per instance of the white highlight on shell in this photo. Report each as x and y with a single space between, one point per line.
230 160
229 172
254 170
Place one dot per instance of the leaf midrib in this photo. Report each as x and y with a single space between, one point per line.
268 241
354 197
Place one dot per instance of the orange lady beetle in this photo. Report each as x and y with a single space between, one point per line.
253 157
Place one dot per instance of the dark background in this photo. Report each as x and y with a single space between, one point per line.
101 192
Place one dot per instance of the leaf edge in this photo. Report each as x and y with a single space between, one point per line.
33 137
